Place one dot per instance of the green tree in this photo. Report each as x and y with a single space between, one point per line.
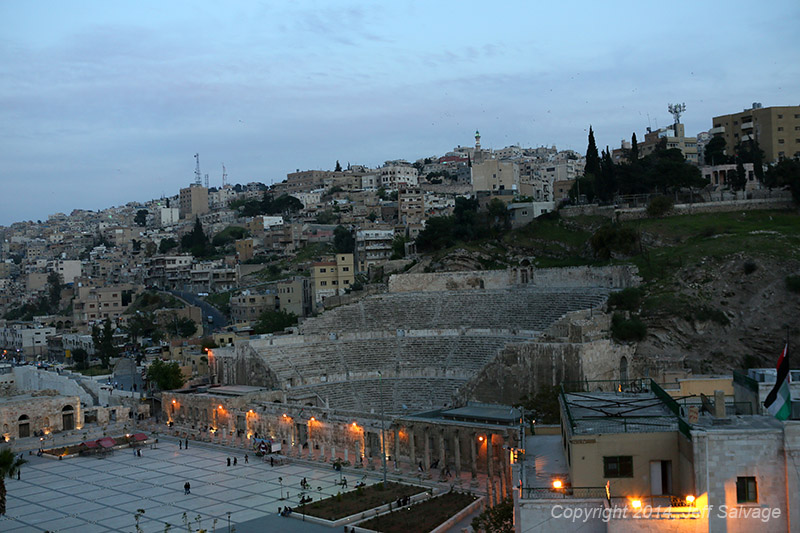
166 376
343 240
399 247
634 148
372 217
338 167
497 519
10 463
499 218
185 327
104 342
80 358
54 290
592 167
786 173
197 242
141 217
739 179
543 405
606 180
714 151
438 234
272 321
166 245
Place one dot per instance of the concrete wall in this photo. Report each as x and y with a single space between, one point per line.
616 277
564 516
525 368
30 378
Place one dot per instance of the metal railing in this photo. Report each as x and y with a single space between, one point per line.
745 381
608 385
547 493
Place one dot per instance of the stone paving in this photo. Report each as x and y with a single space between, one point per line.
88 494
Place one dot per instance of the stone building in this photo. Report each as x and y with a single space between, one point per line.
40 412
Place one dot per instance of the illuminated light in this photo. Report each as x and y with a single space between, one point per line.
220 407
250 411
355 425
557 484
173 401
636 504
313 419
690 499
480 438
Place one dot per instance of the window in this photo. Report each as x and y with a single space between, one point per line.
780 141
618 466
322 270
780 116
345 269
323 283
780 128
334 282
746 491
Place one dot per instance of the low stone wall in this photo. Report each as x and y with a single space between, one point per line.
619 276
566 516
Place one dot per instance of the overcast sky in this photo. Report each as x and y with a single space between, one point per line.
102 103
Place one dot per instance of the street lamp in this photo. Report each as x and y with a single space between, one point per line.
383 426
280 480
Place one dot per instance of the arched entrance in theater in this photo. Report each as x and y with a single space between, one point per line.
24 426
68 418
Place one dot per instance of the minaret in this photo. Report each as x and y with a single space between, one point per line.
477 140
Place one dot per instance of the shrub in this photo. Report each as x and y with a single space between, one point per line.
627 329
627 299
660 206
750 267
614 239
793 283
705 313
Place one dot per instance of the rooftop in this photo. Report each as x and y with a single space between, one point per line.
618 412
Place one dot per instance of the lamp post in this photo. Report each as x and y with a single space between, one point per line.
280 480
229 522
383 426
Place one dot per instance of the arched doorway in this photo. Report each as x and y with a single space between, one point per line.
623 371
24 426
68 418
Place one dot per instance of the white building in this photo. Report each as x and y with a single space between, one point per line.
398 174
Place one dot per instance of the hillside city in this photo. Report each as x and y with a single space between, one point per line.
305 323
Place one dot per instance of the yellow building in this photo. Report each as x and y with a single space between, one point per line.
332 277
193 201
777 130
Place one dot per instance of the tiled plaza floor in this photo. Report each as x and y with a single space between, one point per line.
86 494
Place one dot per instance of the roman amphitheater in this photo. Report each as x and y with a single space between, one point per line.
423 354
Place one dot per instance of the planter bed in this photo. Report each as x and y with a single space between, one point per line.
358 500
425 516
82 448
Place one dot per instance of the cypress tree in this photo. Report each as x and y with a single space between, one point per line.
634 148
592 157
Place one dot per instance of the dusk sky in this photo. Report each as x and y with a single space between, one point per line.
103 103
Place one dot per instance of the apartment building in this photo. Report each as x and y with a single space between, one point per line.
332 277
411 205
26 341
674 136
249 305
777 130
294 296
193 200
495 175
395 175
373 246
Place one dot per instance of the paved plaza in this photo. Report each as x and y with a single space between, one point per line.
88 494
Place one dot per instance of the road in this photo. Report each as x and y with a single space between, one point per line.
219 320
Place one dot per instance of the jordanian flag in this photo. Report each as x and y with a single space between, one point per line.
779 399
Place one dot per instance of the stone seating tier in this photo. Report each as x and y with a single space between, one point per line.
522 307
401 396
453 356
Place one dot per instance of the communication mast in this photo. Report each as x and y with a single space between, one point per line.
206 181
224 176
676 110
198 178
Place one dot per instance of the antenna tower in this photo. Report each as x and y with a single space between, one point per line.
198 178
224 176
206 181
676 110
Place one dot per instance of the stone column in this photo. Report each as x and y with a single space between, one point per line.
426 460
357 458
490 469
457 455
442 457
396 448
473 437
412 447
333 453
346 454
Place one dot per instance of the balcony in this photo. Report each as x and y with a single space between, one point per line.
747 125
717 131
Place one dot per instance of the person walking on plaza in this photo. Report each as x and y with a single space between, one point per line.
187 488
180 444
229 461
234 461
246 459
186 444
